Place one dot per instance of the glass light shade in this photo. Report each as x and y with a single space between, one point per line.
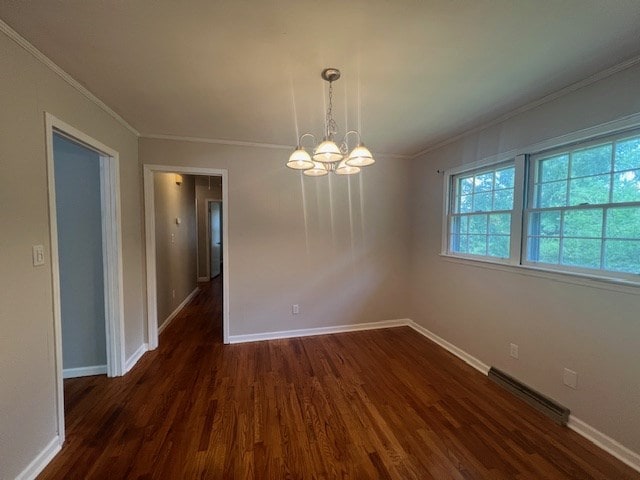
327 152
360 157
344 168
300 160
318 170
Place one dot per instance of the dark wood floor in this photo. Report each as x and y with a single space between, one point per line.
379 404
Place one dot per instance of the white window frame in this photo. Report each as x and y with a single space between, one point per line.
619 128
516 213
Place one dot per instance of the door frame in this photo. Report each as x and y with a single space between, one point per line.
111 253
150 243
208 204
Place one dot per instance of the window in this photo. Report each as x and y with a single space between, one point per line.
480 223
577 210
585 207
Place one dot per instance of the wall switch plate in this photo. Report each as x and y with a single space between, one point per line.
570 378
38 255
295 309
513 350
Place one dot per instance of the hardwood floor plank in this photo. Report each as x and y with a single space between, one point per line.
383 404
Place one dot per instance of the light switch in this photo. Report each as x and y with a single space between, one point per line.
38 255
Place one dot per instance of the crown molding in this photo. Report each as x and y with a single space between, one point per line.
46 61
241 143
536 103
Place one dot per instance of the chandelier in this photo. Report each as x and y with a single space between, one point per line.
328 156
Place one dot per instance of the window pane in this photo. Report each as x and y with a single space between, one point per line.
484 182
628 155
499 246
622 255
504 178
589 190
500 223
545 250
583 223
591 161
553 168
623 223
581 253
463 221
482 202
478 244
503 200
545 223
478 224
464 204
459 243
552 194
626 186
466 186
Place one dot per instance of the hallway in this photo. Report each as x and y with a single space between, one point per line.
373 404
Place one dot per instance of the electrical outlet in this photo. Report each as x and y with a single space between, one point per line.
295 309
173 294
570 378
173 238
513 350
38 255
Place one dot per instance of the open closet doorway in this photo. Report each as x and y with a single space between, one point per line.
86 257
214 230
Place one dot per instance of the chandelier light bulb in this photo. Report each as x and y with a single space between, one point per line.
327 152
360 157
300 159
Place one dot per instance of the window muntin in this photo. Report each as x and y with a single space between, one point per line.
480 223
585 207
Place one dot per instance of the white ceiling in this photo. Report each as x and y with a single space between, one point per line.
231 69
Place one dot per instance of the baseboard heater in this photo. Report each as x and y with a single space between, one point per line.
550 408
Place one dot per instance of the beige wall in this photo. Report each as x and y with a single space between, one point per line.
27 371
343 262
592 329
175 244
207 188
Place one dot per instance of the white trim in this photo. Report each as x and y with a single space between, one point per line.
203 279
46 61
242 143
84 371
137 355
536 103
173 314
598 438
307 332
450 347
112 254
150 244
605 442
42 460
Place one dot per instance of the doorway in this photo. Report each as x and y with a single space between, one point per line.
214 234
103 252
150 242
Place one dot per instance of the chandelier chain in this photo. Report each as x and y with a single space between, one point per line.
332 127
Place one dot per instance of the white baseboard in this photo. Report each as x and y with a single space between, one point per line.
42 460
458 352
84 371
133 359
307 332
203 279
173 314
605 442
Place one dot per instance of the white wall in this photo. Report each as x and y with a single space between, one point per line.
175 244
27 369
78 205
343 262
593 329
207 188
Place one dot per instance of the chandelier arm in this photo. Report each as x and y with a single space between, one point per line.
307 135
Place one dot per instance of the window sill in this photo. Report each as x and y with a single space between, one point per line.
574 278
